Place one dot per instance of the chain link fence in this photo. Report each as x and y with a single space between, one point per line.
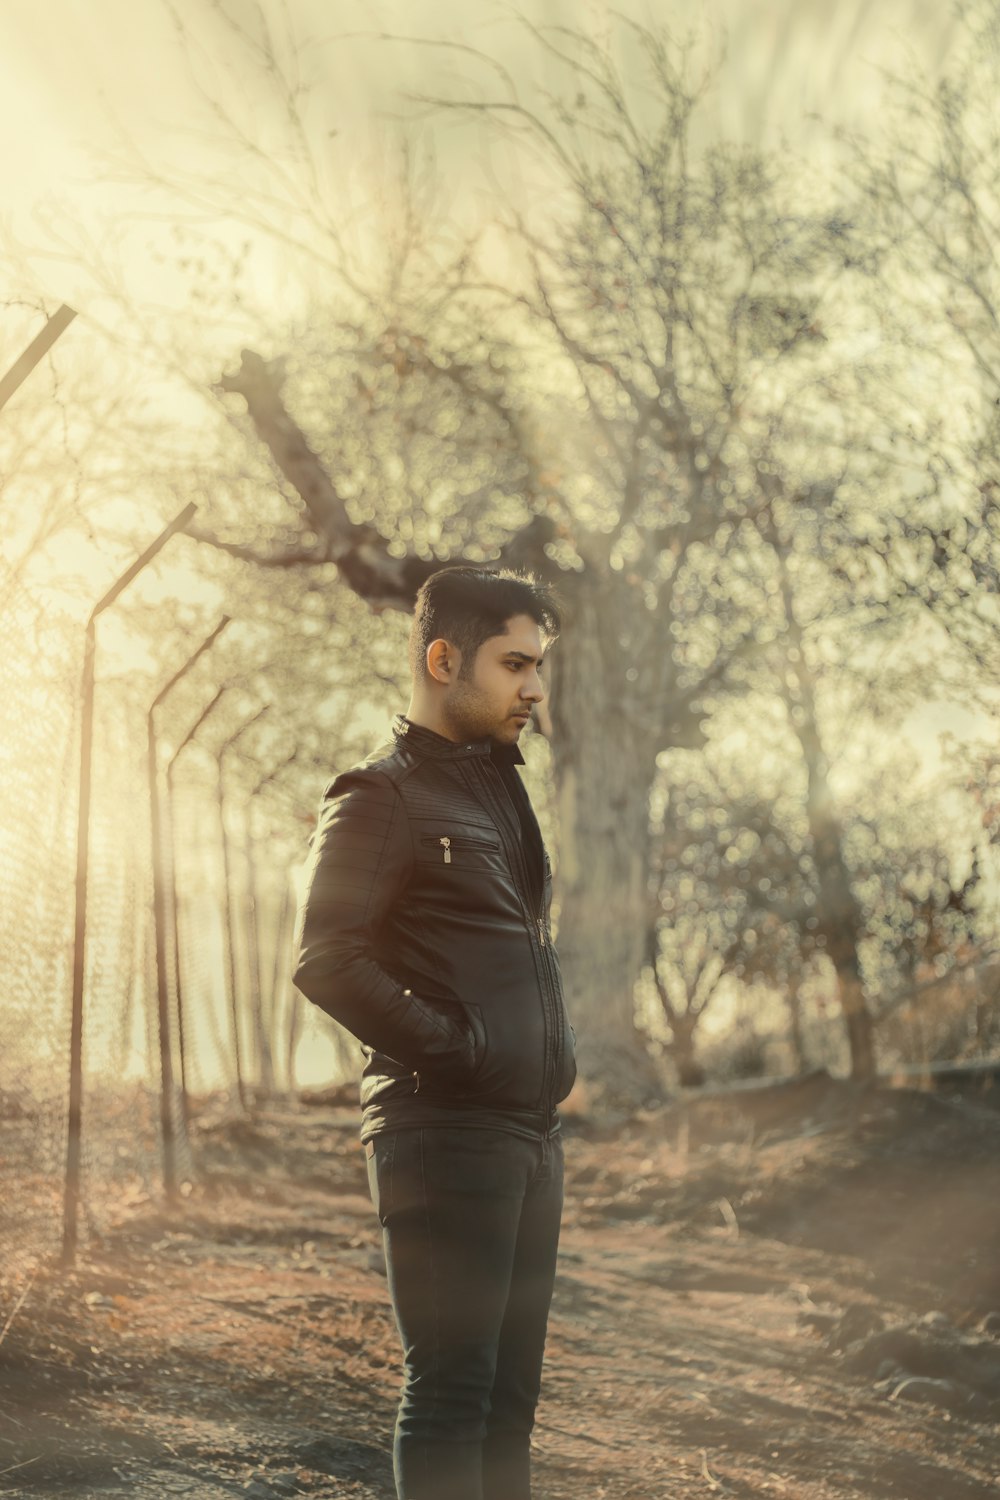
38 750
228 952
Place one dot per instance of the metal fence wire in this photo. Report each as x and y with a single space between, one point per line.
38 812
228 968
225 952
38 751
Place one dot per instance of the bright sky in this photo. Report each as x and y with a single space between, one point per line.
69 67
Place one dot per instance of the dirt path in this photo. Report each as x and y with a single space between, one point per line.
793 1294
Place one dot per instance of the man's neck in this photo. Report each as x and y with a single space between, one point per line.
425 718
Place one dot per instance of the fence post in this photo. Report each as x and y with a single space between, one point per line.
227 903
71 1195
160 922
175 900
36 350
280 980
262 1017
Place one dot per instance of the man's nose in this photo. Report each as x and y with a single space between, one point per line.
534 688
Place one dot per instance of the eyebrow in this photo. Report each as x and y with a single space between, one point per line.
523 656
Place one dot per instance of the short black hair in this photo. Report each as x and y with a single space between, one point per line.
468 606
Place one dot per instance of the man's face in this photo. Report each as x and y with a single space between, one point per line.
494 702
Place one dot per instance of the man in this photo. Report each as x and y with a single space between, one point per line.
425 932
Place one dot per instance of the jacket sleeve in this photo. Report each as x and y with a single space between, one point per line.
360 863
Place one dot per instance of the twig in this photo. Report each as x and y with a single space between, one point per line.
14 1312
23 1465
729 1214
706 1472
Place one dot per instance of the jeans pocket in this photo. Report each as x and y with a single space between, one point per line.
380 1165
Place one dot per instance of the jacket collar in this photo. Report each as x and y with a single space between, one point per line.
427 742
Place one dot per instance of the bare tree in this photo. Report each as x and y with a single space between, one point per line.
651 396
731 904
677 303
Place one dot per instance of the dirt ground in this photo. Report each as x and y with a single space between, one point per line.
790 1291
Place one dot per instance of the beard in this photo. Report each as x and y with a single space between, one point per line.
472 714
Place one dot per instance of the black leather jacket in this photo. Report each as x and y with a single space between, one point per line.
425 932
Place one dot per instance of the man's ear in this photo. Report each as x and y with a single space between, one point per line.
443 661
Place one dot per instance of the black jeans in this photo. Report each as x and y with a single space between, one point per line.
470 1225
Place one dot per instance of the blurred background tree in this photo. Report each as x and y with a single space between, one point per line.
659 409
669 374
924 235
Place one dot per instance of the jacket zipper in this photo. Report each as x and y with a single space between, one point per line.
550 1003
447 843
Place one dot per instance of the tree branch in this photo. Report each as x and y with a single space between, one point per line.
359 551
291 558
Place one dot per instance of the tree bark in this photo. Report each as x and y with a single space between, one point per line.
795 1025
839 917
604 762
690 1073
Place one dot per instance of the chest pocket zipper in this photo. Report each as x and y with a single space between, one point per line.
448 842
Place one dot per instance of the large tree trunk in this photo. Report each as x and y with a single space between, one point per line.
604 763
